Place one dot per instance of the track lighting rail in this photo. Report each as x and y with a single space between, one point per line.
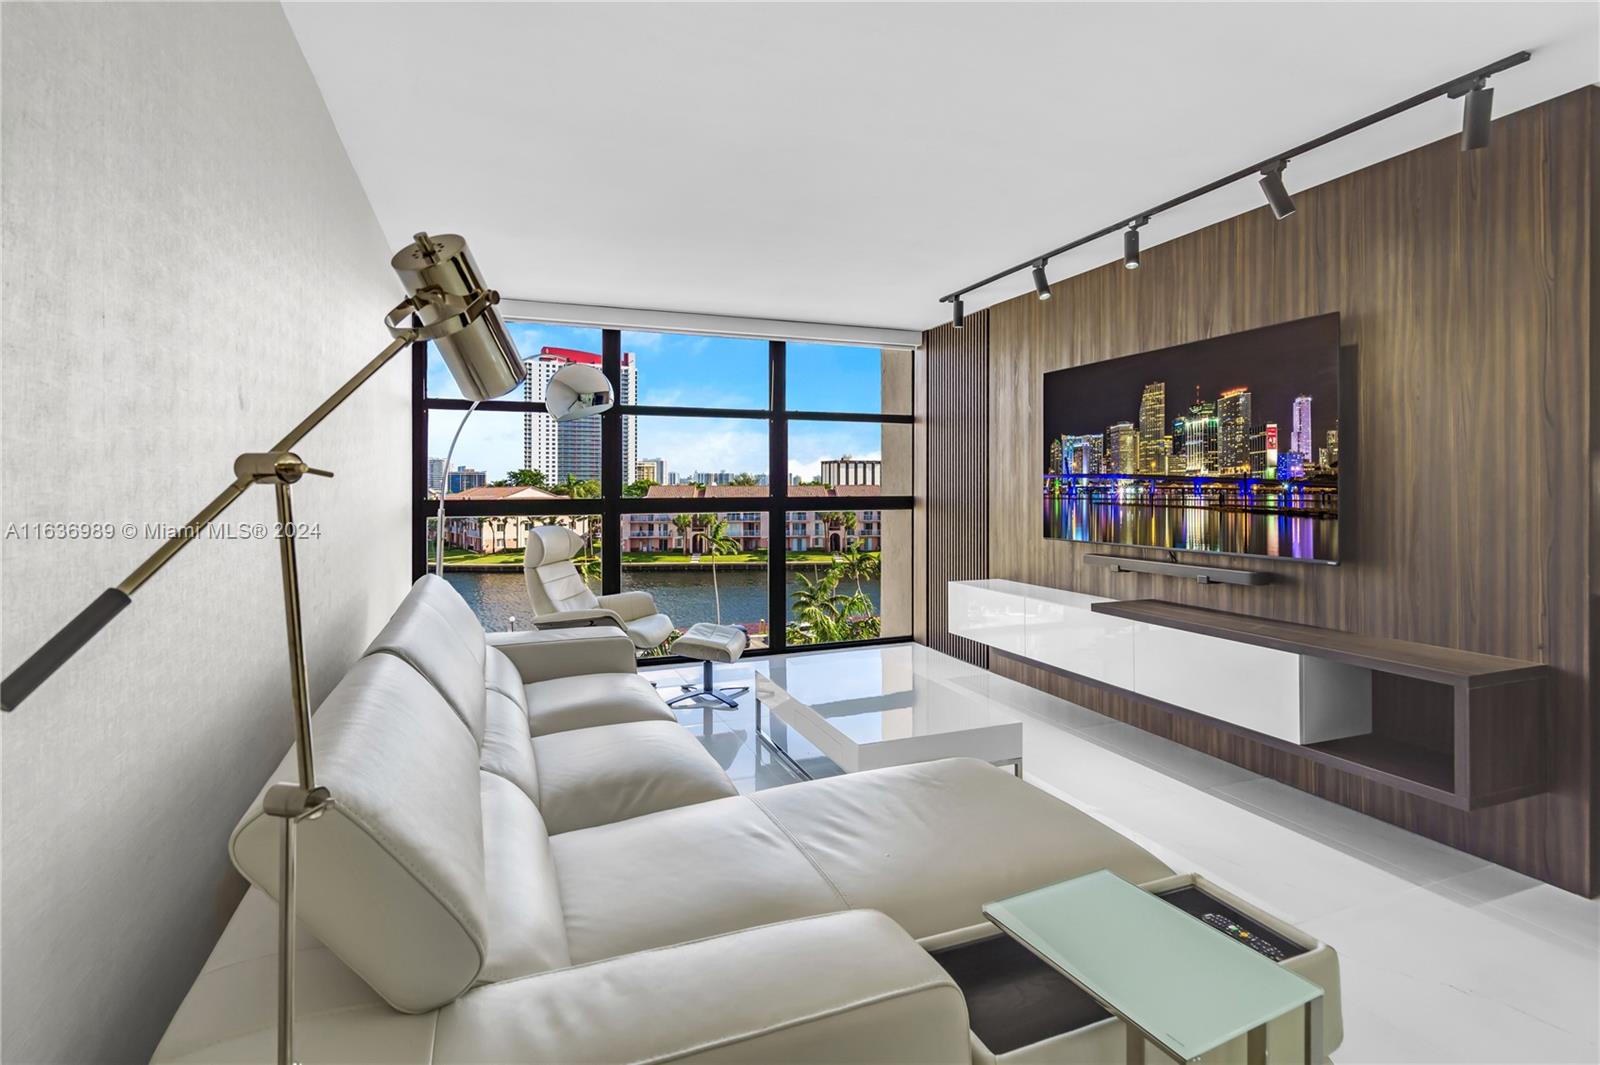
1472 85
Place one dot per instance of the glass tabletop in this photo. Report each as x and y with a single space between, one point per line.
1188 988
872 695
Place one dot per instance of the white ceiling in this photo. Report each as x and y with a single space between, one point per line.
852 163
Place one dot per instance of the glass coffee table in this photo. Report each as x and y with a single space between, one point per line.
870 707
1173 980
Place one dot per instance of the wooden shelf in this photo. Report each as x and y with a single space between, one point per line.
1497 705
1417 770
1440 665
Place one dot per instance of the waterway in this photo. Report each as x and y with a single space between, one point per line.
686 597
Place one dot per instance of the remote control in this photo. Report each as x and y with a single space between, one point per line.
1242 935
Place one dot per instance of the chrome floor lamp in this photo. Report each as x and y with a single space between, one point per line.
448 304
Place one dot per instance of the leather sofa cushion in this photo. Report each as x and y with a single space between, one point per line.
526 931
594 776
507 748
845 988
597 699
391 875
682 874
436 633
929 844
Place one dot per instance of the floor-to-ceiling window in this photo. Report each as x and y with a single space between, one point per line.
757 483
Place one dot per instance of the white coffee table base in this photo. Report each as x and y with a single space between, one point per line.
903 723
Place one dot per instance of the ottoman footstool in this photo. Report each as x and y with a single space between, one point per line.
711 643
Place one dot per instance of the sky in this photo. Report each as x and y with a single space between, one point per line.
676 369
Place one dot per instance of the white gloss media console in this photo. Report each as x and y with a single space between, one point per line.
1297 698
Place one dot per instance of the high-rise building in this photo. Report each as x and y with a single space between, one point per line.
463 477
1300 429
1055 456
1233 431
1179 463
652 470
847 470
1332 443
1290 466
1122 448
1200 448
1152 426
1264 450
539 430
1083 454
578 450
572 449
435 475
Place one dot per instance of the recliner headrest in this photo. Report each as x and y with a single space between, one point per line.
550 543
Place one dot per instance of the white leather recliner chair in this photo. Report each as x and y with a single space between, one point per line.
561 599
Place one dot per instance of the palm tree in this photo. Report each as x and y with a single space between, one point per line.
848 520
718 542
588 567
683 523
858 565
817 604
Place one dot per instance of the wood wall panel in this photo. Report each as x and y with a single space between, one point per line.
956 427
1465 282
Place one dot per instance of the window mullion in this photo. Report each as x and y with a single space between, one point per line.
777 498
611 473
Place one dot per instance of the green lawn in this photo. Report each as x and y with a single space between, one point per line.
645 558
461 557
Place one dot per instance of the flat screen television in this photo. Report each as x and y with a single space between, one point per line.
1224 446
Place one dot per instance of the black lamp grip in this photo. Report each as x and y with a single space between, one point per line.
60 647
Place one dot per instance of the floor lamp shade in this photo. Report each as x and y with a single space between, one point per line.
479 353
578 390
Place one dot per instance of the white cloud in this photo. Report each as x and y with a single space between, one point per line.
698 444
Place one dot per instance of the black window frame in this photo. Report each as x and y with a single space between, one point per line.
611 504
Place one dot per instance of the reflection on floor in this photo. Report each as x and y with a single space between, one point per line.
1446 959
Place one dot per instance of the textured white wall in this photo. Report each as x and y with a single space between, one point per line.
189 265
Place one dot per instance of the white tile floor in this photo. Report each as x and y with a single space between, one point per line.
1446 959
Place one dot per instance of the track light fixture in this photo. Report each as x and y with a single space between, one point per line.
1477 111
958 314
1272 186
1130 244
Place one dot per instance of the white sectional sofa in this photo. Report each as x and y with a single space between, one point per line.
529 860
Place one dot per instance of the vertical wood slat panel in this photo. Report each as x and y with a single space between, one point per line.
1467 288
957 432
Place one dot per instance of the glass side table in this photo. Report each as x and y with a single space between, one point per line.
1173 980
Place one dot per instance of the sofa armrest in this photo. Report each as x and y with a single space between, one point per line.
629 606
843 987
551 653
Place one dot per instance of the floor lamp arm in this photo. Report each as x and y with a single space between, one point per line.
72 637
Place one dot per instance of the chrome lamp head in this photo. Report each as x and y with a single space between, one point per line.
578 390
456 311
